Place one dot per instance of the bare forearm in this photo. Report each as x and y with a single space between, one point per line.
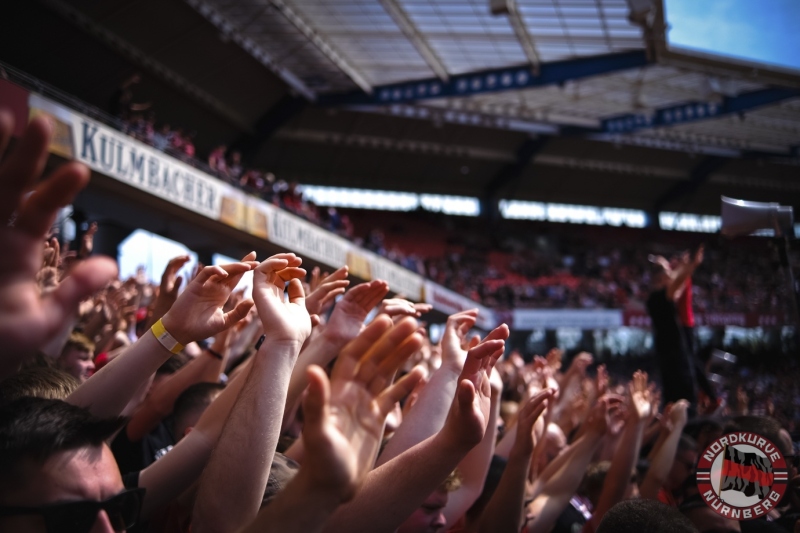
426 417
660 465
473 469
617 479
243 455
393 491
107 392
170 476
299 508
160 402
320 351
504 512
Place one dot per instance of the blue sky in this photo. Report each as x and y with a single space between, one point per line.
766 31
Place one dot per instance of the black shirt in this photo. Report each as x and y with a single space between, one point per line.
133 456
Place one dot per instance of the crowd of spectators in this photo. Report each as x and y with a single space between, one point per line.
579 273
131 406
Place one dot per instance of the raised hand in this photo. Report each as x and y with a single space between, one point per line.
528 415
469 413
348 316
641 401
170 285
400 307
344 418
554 359
580 363
87 241
198 312
324 290
283 321
677 414
454 337
28 320
601 381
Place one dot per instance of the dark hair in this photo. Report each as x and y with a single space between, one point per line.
767 427
687 443
37 428
194 398
40 382
635 516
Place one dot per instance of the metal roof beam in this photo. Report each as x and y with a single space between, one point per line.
419 41
322 43
523 35
696 111
493 80
212 15
509 175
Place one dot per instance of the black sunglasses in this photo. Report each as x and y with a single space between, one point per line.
79 516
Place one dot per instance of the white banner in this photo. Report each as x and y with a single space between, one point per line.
528 319
450 302
119 156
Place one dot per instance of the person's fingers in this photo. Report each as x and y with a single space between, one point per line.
473 342
388 368
176 286
422 308
20 170
295 291
268 269
476 355
378 289
318 393
315 320
237 313
334 293
381 350
500 332
465 395
37 213
395 393
347 362
249 257
208 272
85 279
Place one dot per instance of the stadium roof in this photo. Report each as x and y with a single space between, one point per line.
580 101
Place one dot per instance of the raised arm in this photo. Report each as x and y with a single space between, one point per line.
434 401
343 425
160 402
394 490
28 319
662 460
244 453
618 478
197 314
504 512
558 482
345 323
684 272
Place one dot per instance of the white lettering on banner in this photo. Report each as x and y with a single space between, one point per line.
400 280
721 319
306 239
119 156
527 319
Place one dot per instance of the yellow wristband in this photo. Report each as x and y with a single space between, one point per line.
166 340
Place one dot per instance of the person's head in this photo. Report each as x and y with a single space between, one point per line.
191 405
56 472
684 465
635 516
429 518
705 519
39 382
76 358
